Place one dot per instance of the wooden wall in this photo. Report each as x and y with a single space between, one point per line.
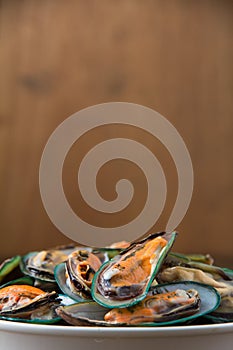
58 57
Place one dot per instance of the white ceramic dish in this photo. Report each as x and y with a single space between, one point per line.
23 336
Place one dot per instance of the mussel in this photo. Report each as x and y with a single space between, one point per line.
163 305
141 283
156 308
215 277
125 279
74 277
81 266
41 265
26 302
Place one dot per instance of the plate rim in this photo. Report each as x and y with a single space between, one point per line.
108 332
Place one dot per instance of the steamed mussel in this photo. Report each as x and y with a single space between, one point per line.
125 280
75 275
41 265
27 302
81 267
133 284
154 308
179 270
163 305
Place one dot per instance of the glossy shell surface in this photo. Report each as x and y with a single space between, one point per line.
125 279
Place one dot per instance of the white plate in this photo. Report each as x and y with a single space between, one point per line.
23 336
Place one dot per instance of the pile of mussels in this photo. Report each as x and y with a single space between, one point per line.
137 284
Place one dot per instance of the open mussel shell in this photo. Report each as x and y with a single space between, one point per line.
209 297
219 278
75 275
40 265
48 317
81 266
61 279
125 280
25 302
92 314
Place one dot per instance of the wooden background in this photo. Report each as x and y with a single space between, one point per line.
58 57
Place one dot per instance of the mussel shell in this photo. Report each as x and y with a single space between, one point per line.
81 266
92 314
74 276
48 317
61 279
209 296
37 302
88 313
177 259
183 258
130 294
224 313
32 266
222 282
218 317
36 272
8 265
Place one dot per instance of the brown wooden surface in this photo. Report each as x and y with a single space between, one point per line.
58 57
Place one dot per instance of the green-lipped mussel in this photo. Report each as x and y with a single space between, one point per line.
163 305
74 276
118 285
26 303
125 279
81 267
220 279
41 265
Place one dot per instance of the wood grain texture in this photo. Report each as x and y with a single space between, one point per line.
58 57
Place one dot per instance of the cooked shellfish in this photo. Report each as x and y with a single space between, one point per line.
81 266
163 305
41 264
223 286
24 301
125 280
157 308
